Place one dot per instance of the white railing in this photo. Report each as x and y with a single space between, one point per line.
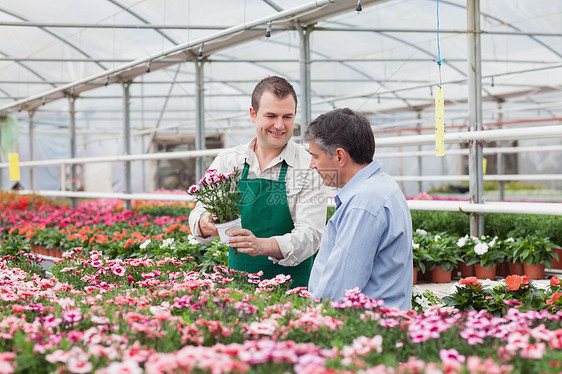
542 132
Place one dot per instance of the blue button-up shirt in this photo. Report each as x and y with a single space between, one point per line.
367 243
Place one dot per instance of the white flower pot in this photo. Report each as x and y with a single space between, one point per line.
227 228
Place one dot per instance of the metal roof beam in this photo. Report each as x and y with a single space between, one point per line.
306 14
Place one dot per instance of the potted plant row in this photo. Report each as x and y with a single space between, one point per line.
435 253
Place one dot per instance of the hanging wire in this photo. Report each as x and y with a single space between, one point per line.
439 60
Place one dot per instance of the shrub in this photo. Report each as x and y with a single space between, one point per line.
456 223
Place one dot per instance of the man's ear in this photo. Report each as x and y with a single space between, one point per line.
341 156
252 113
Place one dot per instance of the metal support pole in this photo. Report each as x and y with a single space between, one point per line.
306 106
72 125
200 133
500 156
419 158
144 189
476 184
127 139
31 114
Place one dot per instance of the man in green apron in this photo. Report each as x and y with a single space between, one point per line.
283 204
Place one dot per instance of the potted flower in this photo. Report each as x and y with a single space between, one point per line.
441 257
420 243
515 267
465 244
219 195
535 253
484 253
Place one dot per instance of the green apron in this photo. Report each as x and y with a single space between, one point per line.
265 212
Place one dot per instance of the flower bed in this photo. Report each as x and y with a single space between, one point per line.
131 312
104 315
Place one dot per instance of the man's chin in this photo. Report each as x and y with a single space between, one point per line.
276 142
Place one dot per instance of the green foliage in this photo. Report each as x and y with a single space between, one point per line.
28 262
435 221
506 225
514 292
502 225
330 213
533 249
468 296
436 250
12 245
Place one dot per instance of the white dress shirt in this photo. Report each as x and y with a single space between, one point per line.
306 197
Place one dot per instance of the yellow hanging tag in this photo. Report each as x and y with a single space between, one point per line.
484 164
439 123
14 166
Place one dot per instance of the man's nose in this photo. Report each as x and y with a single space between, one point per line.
279 125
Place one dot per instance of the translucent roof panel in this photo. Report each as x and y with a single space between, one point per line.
380 61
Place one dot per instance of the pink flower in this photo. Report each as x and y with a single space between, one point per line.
72 315
556 339
118 270
51 322
413 365
79 364
7 356
262 328
193 189
96 263
135 262
295 290
57 356
533 351
451 354
6 367
388 322
9 297
125 367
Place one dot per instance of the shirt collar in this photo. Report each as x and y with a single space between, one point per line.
348 190
288 153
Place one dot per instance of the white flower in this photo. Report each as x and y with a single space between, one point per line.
145 244
462 241
191 240
509 240
436 238
415 245
481 248
493 242
167 243
420 231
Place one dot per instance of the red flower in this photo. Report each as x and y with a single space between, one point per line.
555 297
470 280
513 282
554 281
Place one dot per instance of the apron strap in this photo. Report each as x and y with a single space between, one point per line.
245 171
283 172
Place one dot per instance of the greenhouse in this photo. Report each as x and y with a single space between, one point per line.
112 111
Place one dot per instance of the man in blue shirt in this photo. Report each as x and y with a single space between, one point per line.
368 241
